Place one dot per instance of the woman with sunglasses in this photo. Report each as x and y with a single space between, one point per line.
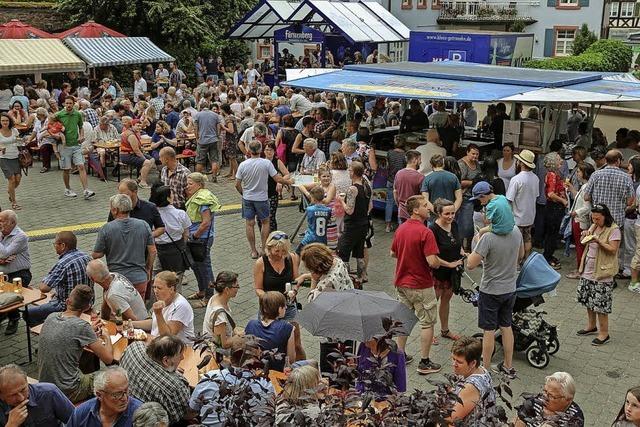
272 271
598 267
218 322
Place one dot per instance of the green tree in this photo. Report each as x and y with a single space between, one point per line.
603 55
184 28
583 40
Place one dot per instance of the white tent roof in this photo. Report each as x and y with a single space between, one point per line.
568 95
262 21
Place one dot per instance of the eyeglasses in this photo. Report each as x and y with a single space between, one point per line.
551 396
279 236
118 394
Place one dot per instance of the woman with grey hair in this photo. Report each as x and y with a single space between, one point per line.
557 203
555 406
42 138
150 414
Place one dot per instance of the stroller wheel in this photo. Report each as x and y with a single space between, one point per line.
537 357
553 345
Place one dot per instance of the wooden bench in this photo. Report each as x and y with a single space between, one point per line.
186 159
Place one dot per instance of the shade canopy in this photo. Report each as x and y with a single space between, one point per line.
16 29
111 51
464 81
89 29
37 56
362 21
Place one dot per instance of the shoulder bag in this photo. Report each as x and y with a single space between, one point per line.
183 253
197 247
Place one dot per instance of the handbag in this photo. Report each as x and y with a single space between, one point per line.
281 152
25 159
198 248
185 256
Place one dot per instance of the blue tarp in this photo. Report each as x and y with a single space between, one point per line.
482 73
463 81
401 86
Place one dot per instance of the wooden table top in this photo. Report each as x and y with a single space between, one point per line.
107 145
30 296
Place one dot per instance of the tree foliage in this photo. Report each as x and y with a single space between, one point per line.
184 28
603 55
583 40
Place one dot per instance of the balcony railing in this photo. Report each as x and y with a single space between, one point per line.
486 12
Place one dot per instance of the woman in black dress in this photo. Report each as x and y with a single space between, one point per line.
449 242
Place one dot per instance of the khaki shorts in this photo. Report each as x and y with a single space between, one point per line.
635 261
84 390
423 302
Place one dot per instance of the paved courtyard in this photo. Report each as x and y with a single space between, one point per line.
603 374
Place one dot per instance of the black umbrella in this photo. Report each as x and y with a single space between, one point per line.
353 314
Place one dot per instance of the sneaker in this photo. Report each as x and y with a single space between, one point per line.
507 372
428 367
70 193
408 359
634 287
89 194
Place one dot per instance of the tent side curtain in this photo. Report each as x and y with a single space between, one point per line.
112 51
28 56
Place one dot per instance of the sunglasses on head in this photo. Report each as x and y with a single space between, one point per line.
280 236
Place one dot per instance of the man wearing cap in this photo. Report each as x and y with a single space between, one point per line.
414 119
499 255
522 193
497 211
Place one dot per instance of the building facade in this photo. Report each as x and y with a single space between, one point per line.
554 23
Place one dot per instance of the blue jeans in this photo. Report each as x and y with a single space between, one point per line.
204 271
464 218
38 313
391 204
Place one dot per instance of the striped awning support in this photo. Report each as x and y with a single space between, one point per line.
111 51
28 56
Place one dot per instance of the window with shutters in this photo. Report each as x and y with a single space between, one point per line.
422 4
613 12
406 4
564 41
626 9
567 3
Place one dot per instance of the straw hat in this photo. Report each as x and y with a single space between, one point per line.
527 157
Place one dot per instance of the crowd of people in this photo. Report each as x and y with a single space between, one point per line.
482 210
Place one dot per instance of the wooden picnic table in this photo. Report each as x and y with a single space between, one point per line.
30 296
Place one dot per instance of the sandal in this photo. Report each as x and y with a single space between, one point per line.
583 332
447 334
435 341
195 296
555 265
201 303
15 206
572 275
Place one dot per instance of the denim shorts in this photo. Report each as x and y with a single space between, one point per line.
495 311
252 209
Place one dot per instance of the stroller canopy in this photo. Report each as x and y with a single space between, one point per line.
536 277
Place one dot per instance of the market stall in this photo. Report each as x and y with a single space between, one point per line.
112 51
467 82
37 56
318 27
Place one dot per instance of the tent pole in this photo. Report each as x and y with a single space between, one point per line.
546 132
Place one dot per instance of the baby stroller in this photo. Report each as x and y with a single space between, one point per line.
532 334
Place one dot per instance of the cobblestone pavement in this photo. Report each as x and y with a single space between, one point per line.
602 374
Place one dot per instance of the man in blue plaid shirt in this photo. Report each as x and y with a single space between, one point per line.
69 271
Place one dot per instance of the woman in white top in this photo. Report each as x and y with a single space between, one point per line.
218 322
507 165
171 244
9 157
342 181
172 313
580 213
326 272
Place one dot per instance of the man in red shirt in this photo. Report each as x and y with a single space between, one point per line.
415 247
407 183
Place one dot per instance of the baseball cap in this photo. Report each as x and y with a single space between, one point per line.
481 189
